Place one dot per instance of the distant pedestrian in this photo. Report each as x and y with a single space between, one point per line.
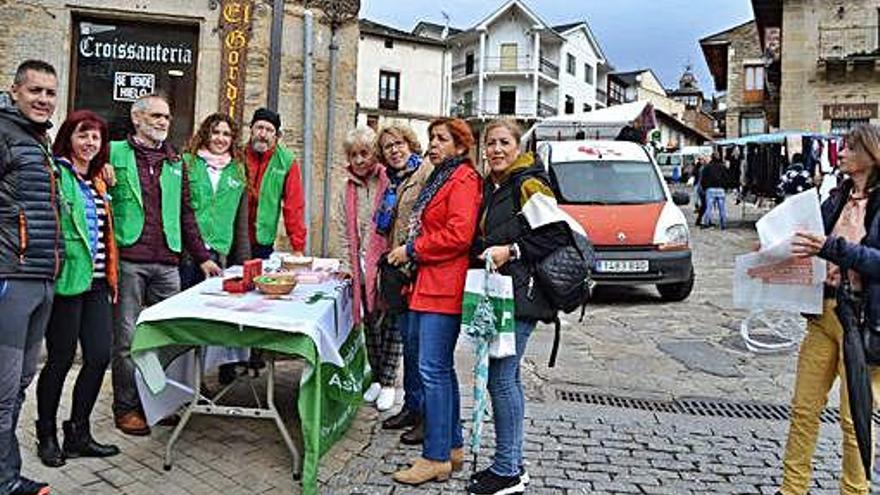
796 179
31 248
355 240
85 292
520 224
713 180
441 230
851 219
399 149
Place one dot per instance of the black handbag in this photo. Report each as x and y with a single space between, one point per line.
851 313
392 283
564 274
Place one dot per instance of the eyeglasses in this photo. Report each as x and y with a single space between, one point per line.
394 144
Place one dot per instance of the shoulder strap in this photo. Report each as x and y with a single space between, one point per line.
557 331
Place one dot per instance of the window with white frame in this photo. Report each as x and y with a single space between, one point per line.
571 63
389 90
588 73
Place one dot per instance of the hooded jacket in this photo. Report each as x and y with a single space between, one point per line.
502 222
31 244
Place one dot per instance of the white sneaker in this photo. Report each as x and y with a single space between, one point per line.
386 399
373 392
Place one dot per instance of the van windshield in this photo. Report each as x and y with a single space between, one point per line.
664 159
607 182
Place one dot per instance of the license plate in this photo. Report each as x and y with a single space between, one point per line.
622 266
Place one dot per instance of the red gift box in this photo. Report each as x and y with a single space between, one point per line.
234 285
252 268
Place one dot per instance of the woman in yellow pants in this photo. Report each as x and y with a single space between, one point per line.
852 227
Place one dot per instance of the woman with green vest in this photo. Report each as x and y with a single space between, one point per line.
217 183
85 291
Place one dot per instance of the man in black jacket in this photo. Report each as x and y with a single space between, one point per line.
30 251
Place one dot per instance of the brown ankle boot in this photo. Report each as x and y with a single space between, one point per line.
424 470
456 458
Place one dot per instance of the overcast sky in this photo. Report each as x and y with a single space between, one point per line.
658 34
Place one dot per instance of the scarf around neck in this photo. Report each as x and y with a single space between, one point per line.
435 181
216 162
387 211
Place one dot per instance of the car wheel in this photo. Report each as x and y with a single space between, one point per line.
678 291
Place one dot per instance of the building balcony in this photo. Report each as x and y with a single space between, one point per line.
464 69
525 109
547 110
548 68
848 45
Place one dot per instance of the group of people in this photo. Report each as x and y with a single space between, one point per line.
426 219
92 231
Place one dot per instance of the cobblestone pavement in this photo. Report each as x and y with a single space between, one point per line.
630 345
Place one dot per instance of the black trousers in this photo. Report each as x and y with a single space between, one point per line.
86 318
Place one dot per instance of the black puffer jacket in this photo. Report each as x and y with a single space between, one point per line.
30 239
502 223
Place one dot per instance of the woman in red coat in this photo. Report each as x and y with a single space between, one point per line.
441 229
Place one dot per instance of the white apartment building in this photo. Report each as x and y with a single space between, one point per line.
513 64
399 78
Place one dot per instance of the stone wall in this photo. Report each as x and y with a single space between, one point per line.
806 84
42 29
744 46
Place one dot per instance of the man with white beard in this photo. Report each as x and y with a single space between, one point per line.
154 222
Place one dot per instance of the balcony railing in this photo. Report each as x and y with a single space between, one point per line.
547 110
465 68
838 43
496 65
602 96
509 64
519 108
548 68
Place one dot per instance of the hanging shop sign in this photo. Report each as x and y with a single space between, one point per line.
849 111
235 31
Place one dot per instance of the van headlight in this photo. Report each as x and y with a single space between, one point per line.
675 237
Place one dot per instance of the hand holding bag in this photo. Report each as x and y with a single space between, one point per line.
488 300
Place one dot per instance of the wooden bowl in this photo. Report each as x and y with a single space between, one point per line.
275 285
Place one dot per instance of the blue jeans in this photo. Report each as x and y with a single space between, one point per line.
508 405
715 199
412 382
437 336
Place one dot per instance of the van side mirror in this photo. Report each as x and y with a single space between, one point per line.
681 198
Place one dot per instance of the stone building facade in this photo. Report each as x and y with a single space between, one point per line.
737 66
829 69
176 48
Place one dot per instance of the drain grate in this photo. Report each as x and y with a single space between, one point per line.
696 407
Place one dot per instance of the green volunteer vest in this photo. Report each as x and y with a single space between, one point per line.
215 210
78 267
271 190
128 205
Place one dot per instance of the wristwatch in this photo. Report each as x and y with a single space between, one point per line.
514 251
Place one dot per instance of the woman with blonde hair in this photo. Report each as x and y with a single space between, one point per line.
851 240
398 148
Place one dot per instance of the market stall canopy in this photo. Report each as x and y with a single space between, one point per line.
600 124
771 138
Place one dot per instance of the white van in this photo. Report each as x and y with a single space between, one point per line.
615 190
